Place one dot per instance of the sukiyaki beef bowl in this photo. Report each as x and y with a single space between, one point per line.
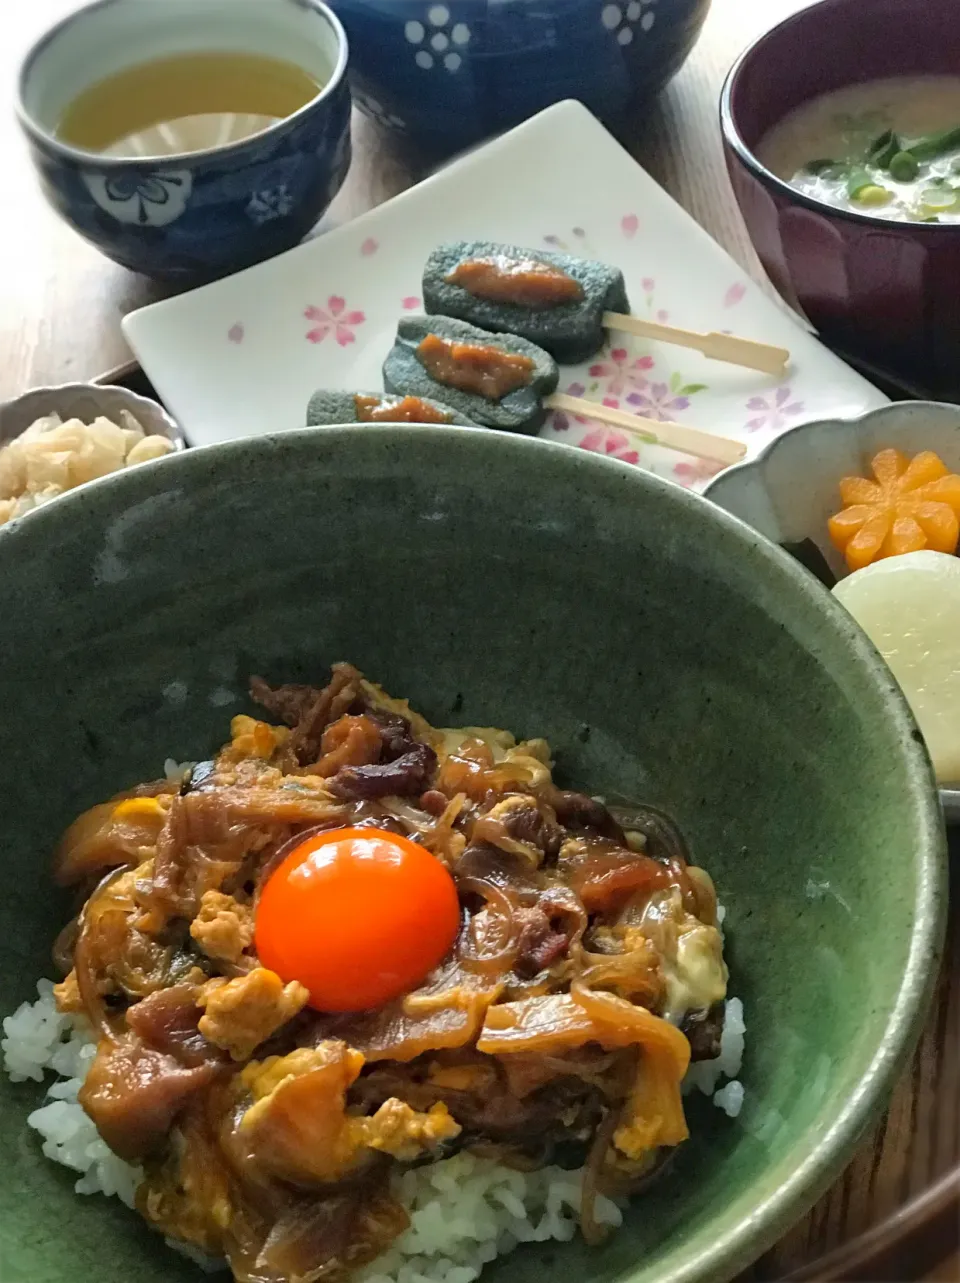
428 851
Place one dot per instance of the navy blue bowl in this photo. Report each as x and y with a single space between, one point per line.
450 74
196 216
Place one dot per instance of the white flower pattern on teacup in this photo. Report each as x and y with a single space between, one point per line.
272 202
150 200
378 112
439 42
625 17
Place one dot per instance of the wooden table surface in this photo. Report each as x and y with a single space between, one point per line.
60 308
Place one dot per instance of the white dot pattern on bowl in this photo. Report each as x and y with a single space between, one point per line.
434 33
622 20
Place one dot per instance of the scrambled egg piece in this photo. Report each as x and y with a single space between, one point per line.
691 956
223 928
67 995
299 1128
653 1114
250 738
402 1132
240 1014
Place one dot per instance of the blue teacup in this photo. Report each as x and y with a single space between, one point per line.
200 214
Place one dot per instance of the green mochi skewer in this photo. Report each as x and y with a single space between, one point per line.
519 411
341 407
571 332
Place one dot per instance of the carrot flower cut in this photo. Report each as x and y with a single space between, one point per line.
911 504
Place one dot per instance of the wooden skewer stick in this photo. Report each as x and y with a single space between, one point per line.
675 436
718 347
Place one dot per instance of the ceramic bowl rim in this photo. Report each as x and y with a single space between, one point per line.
735 142
764 453
118 392
740 1243
949 797
81 156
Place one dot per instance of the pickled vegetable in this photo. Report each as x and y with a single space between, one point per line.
910 505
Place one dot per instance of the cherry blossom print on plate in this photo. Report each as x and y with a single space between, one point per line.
692 472
620 372
661 400
649 288
610 441
335 320
561 419
773 411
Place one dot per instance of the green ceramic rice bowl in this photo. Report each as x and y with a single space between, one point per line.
667 652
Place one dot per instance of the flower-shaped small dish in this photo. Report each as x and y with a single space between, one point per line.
86 401
789 491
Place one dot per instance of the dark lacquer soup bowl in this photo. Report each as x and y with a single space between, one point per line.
667 652
881 291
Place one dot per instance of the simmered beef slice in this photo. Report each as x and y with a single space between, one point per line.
406 776
134 1093
308 710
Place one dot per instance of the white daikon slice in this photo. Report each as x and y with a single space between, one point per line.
909 607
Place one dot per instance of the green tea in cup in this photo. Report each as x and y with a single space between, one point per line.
186 102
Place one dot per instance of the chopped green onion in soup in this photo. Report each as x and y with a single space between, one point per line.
888 148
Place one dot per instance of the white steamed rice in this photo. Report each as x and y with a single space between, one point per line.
464 1211
37 1038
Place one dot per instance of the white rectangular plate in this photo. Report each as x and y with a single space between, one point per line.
242 357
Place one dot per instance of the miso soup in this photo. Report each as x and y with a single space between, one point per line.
890 148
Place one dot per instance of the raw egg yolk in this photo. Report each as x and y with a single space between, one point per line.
357 916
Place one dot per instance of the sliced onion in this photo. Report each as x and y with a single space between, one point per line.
939 200
593 1232
500 904
64 946
93 1003
665 842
